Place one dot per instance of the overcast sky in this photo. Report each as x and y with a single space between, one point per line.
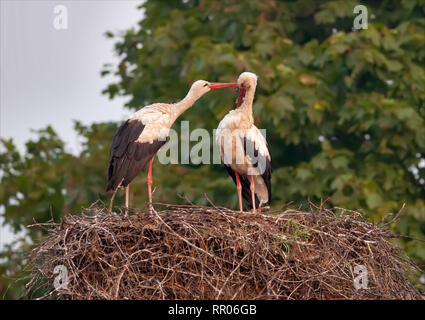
51 76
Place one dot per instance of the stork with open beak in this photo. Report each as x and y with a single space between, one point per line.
138 139
244 149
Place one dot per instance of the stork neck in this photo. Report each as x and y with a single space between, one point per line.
248 100
185 104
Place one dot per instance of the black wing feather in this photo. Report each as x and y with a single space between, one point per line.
127 156
267 177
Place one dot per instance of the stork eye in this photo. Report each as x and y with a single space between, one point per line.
205 85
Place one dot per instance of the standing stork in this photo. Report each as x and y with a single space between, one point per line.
244 149
137 140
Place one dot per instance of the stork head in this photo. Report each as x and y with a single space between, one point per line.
246 81
201 87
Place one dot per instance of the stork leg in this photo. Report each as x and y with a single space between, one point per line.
239 189
112 201
150 185
252 187
113 197
127 198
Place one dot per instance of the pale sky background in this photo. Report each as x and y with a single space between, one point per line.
51 76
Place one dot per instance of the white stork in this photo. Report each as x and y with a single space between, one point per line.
244 149
137 140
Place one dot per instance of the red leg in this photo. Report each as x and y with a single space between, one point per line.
113 196
127 198
239 189
150 184
112 201
252 187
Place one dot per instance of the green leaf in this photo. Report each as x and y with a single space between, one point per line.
373 200
339 162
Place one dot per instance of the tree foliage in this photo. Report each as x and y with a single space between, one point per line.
343 109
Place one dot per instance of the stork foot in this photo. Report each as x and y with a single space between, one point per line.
263 209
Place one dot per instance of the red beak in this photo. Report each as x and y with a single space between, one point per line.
220 85
241 95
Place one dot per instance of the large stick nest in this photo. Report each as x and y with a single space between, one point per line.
194 252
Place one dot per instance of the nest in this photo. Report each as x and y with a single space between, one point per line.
196 252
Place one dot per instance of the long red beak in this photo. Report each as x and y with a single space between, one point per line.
222 85
241 95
